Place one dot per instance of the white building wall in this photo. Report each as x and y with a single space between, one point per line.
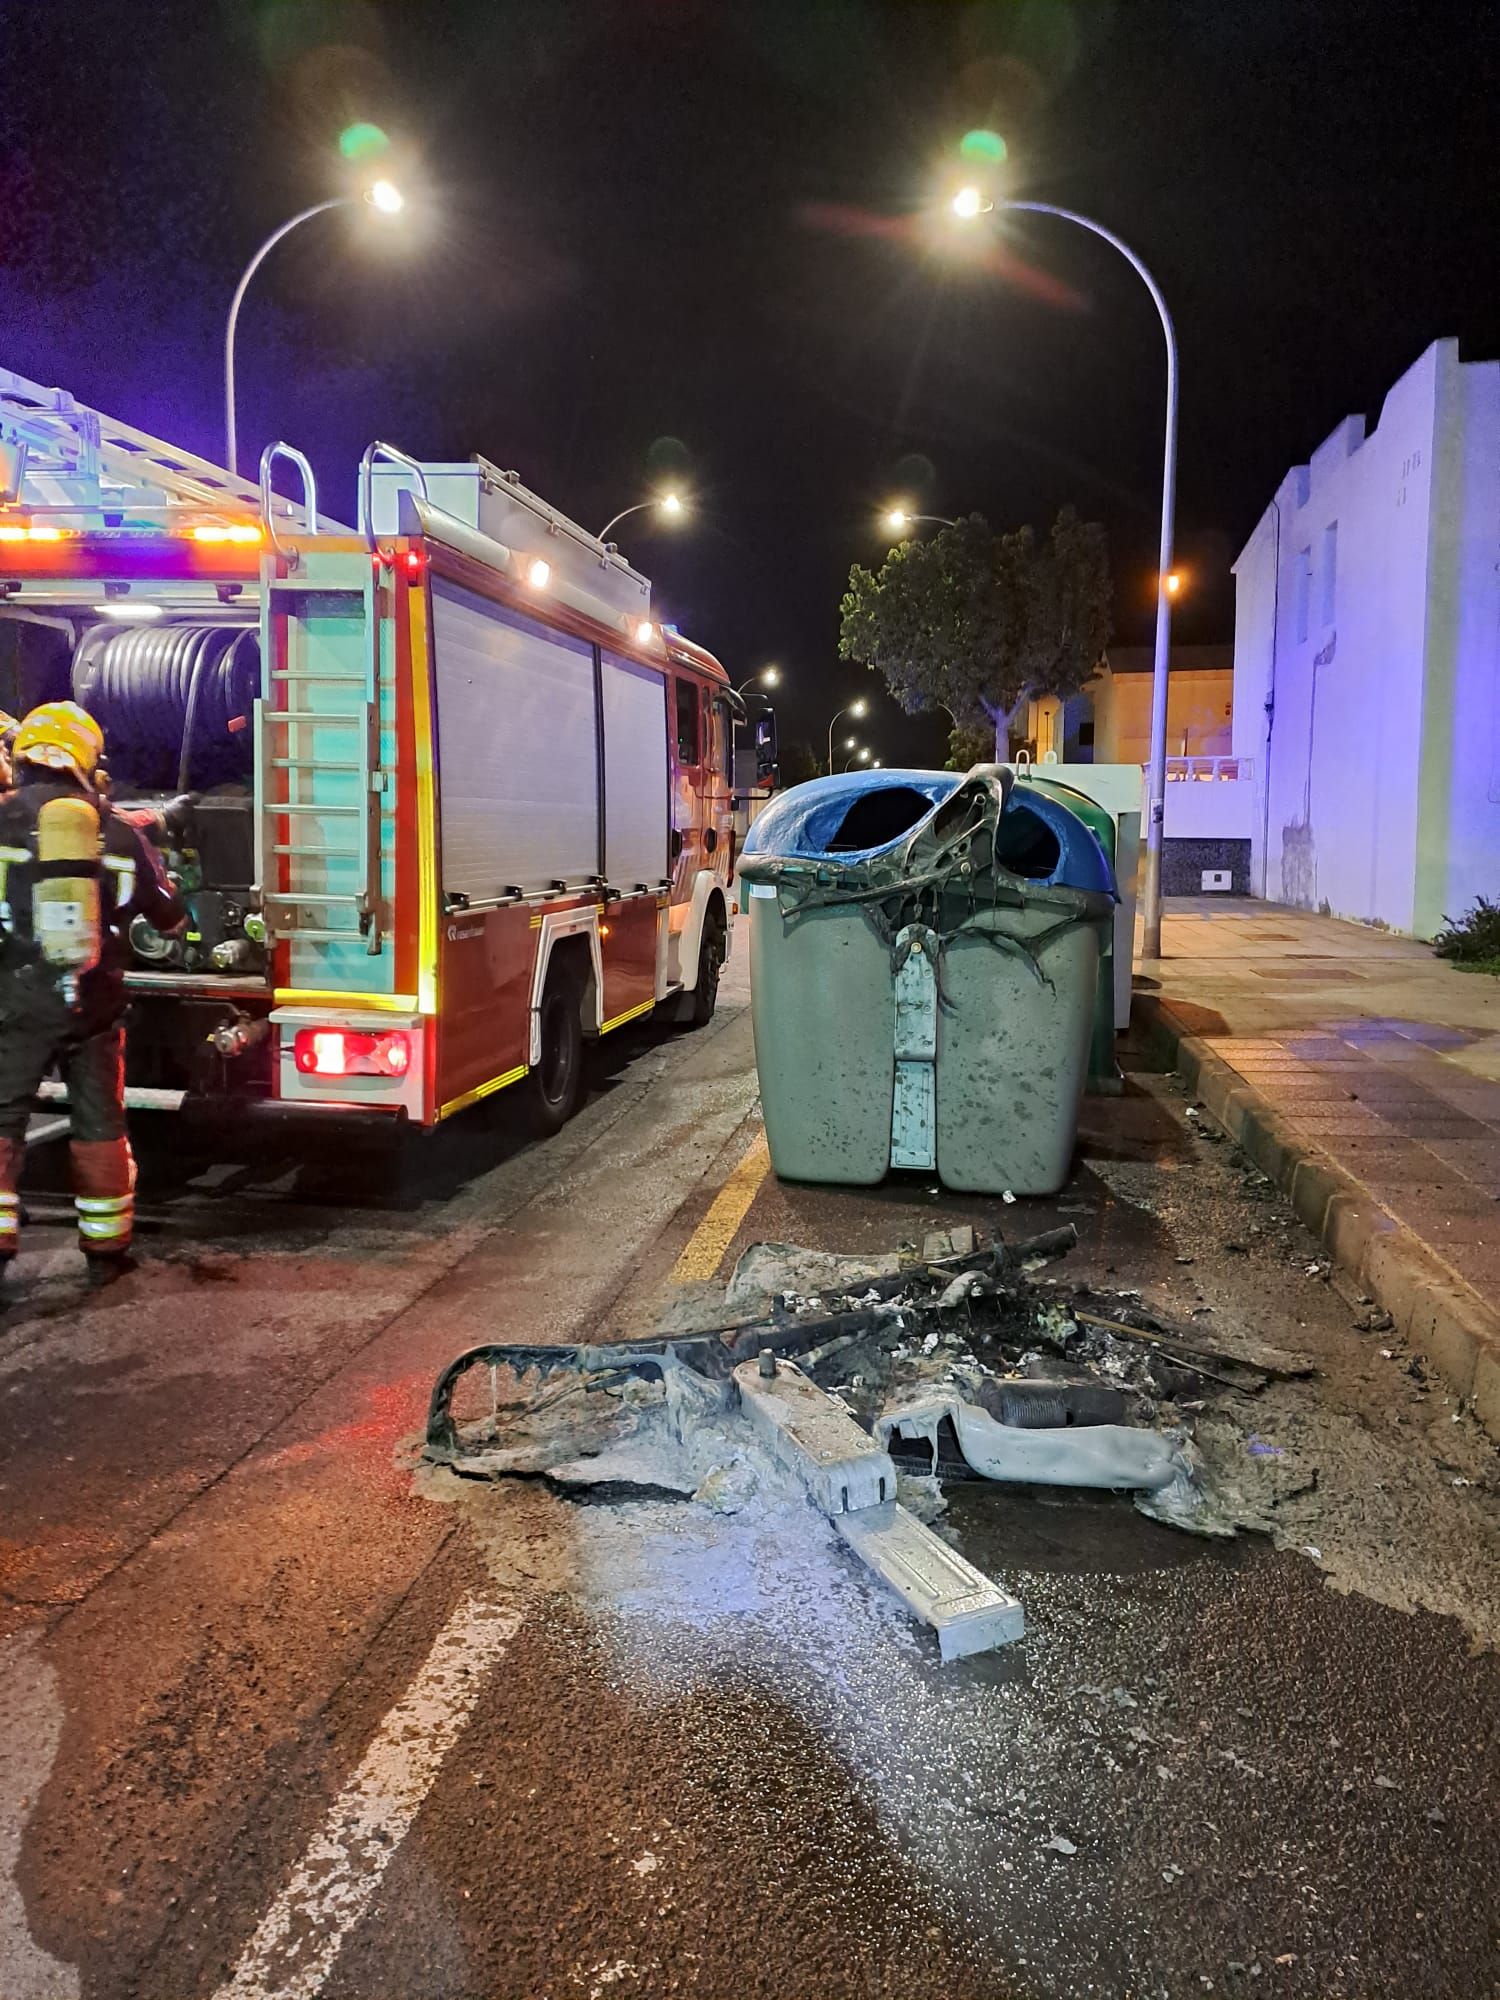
1359 770
1459 816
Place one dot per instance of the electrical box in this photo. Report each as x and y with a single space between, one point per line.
1217 880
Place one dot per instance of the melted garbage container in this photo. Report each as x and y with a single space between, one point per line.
1104 1071
924 955
822 991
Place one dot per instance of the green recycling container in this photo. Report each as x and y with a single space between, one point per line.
1104 1070
924 960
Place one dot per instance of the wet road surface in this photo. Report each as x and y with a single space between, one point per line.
280 1715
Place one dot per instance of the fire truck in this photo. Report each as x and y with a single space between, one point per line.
447 800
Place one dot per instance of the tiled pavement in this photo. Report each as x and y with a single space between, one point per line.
1379 1054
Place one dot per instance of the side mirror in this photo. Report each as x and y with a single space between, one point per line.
765 747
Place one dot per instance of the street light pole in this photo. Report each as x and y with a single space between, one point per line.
898 520
1156 779
231 439
669 503
855 708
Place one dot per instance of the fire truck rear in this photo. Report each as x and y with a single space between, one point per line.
456 801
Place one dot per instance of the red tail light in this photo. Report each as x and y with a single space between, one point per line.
350 1052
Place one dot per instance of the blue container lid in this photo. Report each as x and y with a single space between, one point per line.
858 816
804 821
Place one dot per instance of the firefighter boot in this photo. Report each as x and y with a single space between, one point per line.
104 1196
12 1159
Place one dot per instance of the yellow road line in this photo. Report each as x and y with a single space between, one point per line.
714 1234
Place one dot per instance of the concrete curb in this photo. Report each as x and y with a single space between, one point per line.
1433 1310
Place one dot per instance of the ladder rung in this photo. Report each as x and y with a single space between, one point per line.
313 764
296 674
308 807
361 715
304 587
322 937
320 853
310 896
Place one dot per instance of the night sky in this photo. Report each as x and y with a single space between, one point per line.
668 235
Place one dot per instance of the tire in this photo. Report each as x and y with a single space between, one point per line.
701 1002
555 1086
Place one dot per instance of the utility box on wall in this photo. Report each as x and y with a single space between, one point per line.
1218 881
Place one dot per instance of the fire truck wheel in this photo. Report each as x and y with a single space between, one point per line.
556 1084
699 1009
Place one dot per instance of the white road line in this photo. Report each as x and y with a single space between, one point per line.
300 1936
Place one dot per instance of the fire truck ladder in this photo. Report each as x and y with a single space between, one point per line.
317 755
59 458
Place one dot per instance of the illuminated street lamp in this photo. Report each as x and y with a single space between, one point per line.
898 520
382 195
861 756
1174 583
856 709
671 504
968 203
768 677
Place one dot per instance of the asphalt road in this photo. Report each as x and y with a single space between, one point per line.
281 1713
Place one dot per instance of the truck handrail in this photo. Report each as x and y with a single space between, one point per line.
268 499
375 450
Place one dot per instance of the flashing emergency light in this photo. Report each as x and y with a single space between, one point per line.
351 1052
645 632
34 531
539 573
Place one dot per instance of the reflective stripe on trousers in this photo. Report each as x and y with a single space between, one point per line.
105 1220
10 1223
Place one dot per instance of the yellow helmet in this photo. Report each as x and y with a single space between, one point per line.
61 736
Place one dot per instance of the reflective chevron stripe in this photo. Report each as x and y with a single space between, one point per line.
10 1220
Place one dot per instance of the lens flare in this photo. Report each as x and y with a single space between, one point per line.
979 144
361 140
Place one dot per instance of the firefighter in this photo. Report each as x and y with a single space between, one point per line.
8 728
73 875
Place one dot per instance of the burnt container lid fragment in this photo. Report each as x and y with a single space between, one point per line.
862 819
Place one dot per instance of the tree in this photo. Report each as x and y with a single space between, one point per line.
979 623
798 764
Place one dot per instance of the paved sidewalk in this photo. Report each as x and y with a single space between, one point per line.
1364 1051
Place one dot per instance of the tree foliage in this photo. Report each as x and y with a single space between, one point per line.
978 623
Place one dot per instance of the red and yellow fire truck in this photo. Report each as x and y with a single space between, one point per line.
455 800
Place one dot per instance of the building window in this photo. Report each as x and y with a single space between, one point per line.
1330 569
687 722
1304 591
